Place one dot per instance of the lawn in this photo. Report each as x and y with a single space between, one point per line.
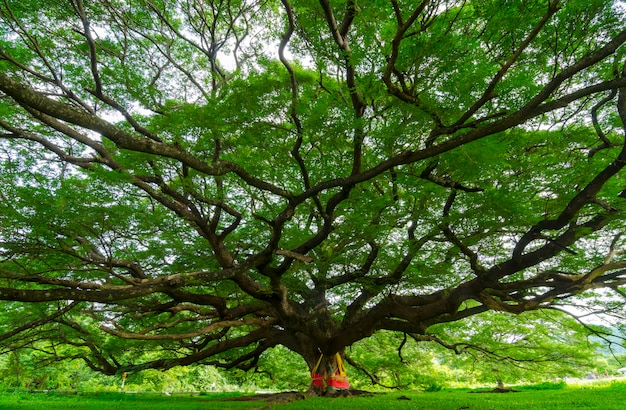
118 401
606 397
600 399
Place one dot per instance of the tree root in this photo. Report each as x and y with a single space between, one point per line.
291 396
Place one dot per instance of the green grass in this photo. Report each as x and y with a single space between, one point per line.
610 396
600 399
118 401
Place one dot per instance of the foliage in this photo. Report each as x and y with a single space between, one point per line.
278 369
388 361
29 369
199 182
533 347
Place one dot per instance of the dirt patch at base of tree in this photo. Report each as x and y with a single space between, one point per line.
291 396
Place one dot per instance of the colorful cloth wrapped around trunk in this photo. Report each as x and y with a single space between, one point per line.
332 377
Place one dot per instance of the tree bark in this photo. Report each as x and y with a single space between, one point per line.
329 374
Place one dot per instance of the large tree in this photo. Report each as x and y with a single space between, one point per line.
210 179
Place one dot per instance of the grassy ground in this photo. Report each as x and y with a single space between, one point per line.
608 397
456 400
118 401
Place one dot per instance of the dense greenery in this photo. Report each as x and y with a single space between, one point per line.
200 181
550 351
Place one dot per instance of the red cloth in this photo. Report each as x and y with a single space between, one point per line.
317 380
333 377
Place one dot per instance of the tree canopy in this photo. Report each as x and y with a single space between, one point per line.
210 179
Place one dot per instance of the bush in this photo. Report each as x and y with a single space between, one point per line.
433 388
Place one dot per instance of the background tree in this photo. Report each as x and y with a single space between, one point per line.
533 347
211 179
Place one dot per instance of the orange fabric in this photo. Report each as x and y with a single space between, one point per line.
338 382
337 378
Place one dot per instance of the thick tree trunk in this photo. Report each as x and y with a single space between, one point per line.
329 374
324 360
